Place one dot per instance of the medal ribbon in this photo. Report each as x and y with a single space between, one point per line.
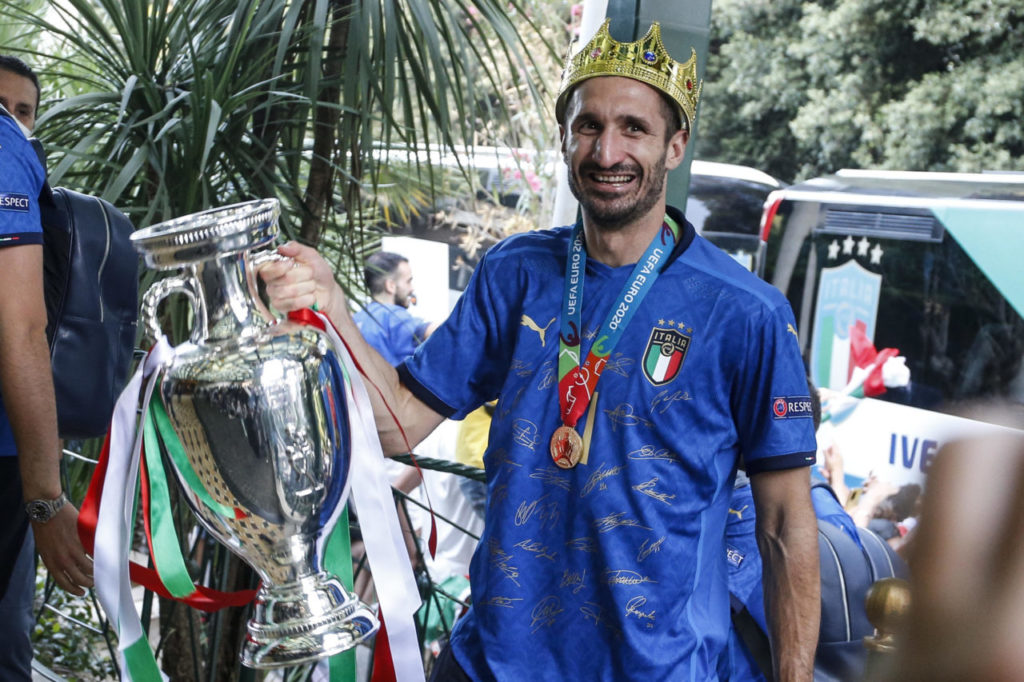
576 380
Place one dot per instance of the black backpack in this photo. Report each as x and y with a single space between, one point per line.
91 289
91 281
847 572
90 285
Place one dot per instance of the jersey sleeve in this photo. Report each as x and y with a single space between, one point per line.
20 182
465 361
774 413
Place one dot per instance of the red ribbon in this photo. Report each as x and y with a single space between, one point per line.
383 665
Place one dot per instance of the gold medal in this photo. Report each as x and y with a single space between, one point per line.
566 447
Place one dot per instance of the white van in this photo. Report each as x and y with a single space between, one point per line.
931 264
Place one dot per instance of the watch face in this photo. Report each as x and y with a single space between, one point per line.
42 511
38 510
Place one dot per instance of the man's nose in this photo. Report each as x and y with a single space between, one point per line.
608 148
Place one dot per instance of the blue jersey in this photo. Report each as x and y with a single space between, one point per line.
391 330
21 179
613 570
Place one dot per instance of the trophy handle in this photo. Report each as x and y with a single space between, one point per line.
160 291
258 258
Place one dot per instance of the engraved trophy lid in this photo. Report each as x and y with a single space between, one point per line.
216 232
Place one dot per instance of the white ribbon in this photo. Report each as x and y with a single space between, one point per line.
397 594
115 516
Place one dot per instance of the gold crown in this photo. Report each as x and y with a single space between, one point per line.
645 60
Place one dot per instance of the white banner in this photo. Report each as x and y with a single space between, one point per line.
896 442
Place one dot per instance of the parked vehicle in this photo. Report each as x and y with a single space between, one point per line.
927 263
725 204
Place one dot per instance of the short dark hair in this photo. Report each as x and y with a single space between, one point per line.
673 117
379 268
9 62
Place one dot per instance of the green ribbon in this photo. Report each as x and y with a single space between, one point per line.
141 664
170 564
338 560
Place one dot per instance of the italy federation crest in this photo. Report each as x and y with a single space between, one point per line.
847 297
666 350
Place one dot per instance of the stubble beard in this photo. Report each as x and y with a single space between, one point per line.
619 213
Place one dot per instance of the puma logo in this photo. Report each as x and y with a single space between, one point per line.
739 512
527 321
791 329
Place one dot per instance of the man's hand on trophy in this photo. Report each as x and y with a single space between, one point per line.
302 280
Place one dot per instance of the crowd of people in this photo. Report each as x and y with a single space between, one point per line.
605 550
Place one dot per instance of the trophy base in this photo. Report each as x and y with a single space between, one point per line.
304 621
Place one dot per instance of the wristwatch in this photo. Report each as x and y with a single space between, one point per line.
42 511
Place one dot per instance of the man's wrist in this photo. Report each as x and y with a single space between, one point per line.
40 490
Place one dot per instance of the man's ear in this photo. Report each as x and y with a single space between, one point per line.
390 286
676 148
561 138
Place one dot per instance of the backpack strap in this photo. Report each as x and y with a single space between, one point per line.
884 561
753 637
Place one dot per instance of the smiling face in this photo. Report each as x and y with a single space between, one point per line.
616 144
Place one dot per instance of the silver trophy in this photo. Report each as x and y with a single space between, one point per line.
259 410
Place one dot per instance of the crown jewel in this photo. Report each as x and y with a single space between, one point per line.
645 60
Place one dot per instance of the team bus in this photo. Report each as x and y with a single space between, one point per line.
927 264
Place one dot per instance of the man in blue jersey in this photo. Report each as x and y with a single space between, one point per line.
635 366
385 321
29 448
